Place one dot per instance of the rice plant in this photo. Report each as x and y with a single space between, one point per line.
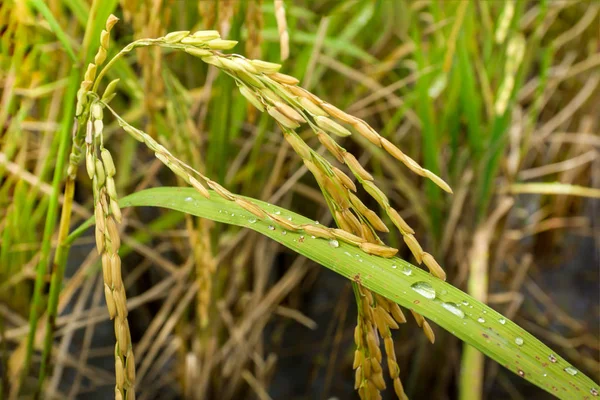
214 303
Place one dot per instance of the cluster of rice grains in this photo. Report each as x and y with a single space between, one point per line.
291 106
101 169
268 90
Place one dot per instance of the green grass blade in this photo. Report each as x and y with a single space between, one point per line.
55 26
466 318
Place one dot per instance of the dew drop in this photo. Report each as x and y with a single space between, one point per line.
188 199
453 308
313 237
465 303
594 392
424 289
406 271
233 215
552 358
284 233
252 220
277 212
289 218
480 320
502 321
334 243
394 266
519 341
545 375
571 371
271 228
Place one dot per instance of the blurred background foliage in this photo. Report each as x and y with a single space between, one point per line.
500 98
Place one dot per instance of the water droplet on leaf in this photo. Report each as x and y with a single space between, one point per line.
424 289
453 308
571 371
334 243
519 341
480 320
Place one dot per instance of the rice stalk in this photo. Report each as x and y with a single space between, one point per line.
267 89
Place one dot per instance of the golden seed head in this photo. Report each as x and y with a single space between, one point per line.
119 372
330 126
284 223
367 132
245 64
376 193
378 380
130 366
270 95
207 35
346 181
231 65
356 168
111 21
358 357
438 181
366 368
99 239
414 246
336 112
175 37
122 332
104 39
110 302
433 266
90 164
318 231
378 250
113 233
100 176
330 145
111 188
428 332
265 67
195 51
106 269
399 221
283 78
418 318
399 390
115 268
397 313
109 165
248 206
90 72
347 237
311 107
116 210
98 127
358 377
375 221
282 119
221 191
100 56
252 98
221 44
290 112
199 187
298 145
